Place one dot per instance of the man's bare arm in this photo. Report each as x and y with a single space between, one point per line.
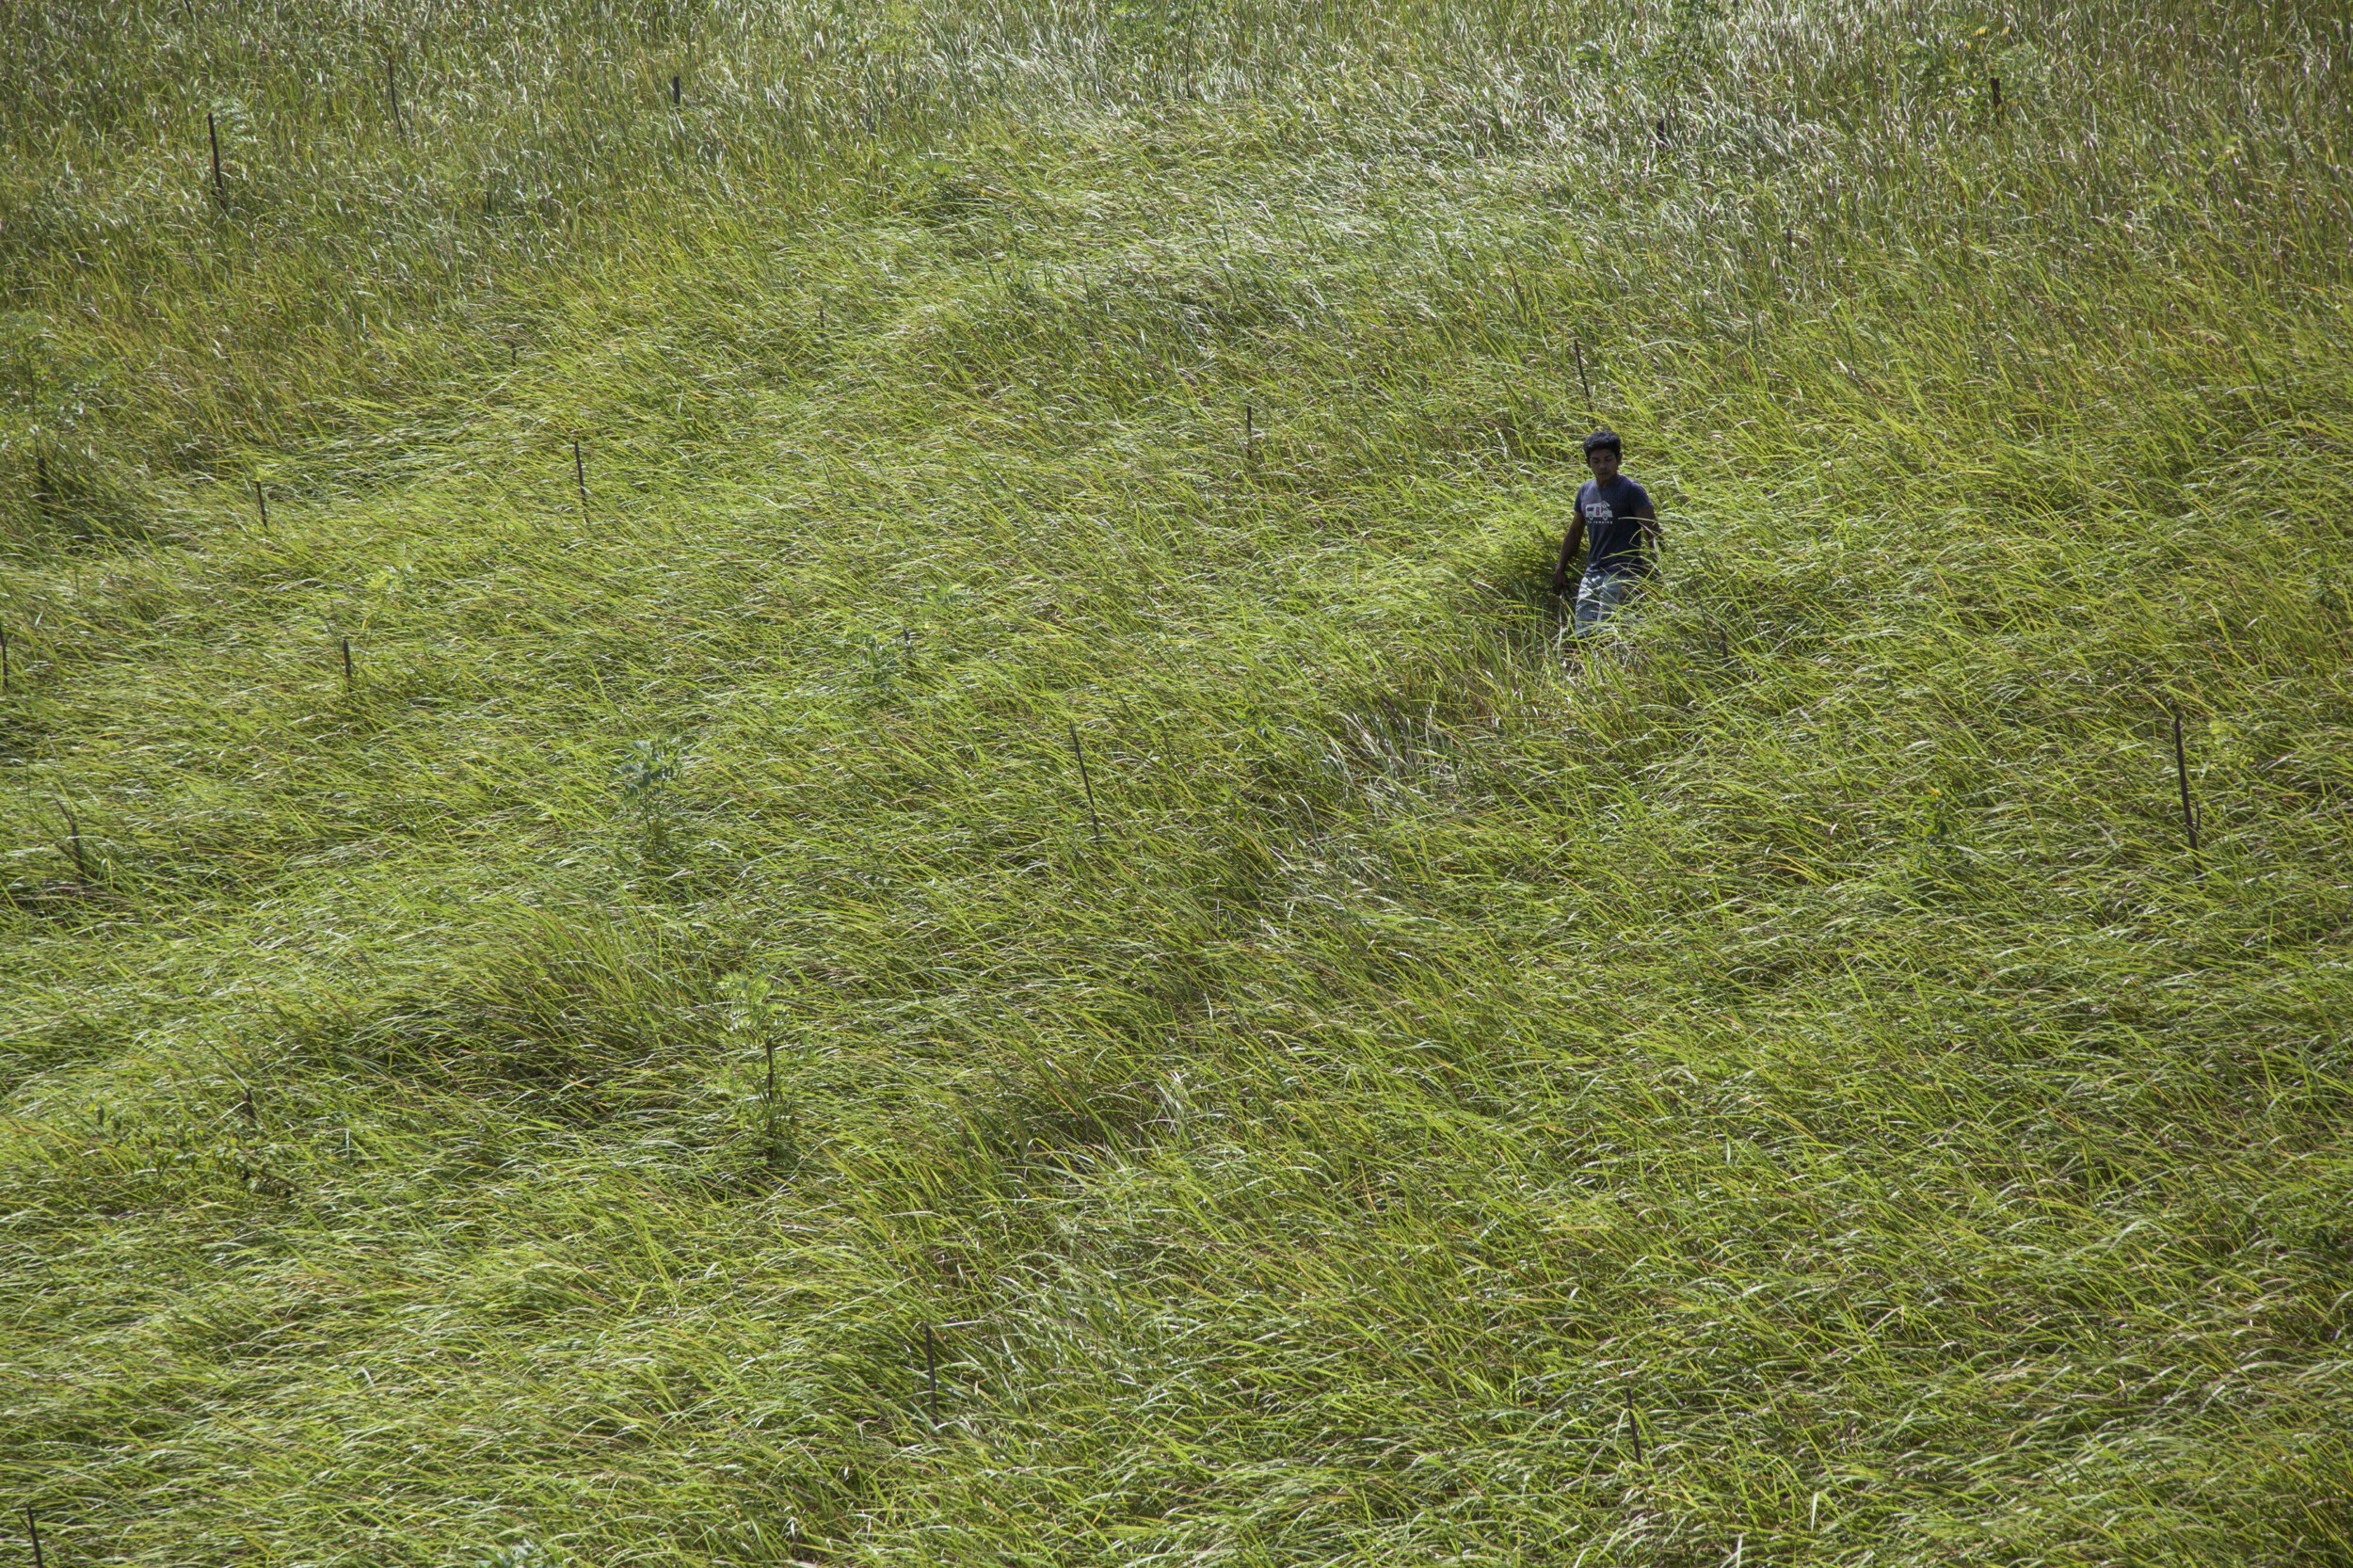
1569 548
1648 517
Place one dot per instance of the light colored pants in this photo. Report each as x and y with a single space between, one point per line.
1599 595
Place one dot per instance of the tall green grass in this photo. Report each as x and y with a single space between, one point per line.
1775 1086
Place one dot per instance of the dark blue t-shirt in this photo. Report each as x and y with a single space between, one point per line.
1613 536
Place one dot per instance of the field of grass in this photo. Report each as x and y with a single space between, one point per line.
1776 1086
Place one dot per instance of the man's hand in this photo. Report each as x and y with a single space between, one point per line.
1569 548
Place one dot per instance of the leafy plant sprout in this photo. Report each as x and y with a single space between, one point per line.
752 1028
644 773
648 769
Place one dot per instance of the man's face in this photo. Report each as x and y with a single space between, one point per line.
1603 460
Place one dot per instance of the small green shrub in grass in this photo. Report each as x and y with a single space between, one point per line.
754 1033
644 774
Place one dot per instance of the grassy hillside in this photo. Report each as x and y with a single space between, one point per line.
1775 1087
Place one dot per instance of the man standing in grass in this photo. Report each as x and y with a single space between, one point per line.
1616 514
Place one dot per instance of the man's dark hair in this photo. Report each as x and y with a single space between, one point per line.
1604 437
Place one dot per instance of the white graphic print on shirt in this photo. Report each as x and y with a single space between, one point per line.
1614 535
